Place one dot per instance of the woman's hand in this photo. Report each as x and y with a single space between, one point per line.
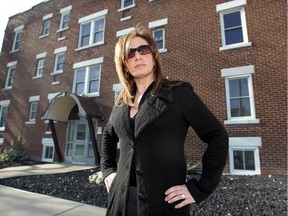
108 181
179 192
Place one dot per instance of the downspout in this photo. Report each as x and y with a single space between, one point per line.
94 141
55 139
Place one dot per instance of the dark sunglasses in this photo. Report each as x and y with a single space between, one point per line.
143 50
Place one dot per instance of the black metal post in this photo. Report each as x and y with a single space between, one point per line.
55 139
94 141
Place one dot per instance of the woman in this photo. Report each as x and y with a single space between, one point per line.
151 119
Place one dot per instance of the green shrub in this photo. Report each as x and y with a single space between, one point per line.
14 153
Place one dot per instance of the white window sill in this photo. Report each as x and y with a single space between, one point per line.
235 46
89 46
125 18
7 88
242 121
2 128
30 122
56 72
162 50
56 83
43 36
13 51
63 29
37 77
126 8
245 172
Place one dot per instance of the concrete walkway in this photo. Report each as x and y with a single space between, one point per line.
14 202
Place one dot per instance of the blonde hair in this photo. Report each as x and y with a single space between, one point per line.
121 55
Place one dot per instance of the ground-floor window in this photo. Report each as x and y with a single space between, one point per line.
244 155
48 150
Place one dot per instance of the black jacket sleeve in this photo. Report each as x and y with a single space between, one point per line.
212 132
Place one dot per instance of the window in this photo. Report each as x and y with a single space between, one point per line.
92 29
46 24
17 38
239 95
48 150
59 60
159 33
233 24
33 100
87 77
39 65
10 74
65 17
244 155
3 113
159 38
117 88
127 3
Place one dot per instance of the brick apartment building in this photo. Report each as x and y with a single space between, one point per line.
58 79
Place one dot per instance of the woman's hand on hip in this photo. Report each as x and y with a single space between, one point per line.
179 192
108 181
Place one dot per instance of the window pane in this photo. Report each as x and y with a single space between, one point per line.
3 114
238 160
233 36
80 75
245 107
79 150
93 86
127 3
60 61
48 152
158 36
99 31
249 160
81 131
232 19
65 21
90 151
85 34
94 73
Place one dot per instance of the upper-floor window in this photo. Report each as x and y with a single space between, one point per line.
159 33
233 24
33 101
92 29
65 17
87 77
127 3
39 65
46 24
59 60
10 74
17 38
239 95
3 113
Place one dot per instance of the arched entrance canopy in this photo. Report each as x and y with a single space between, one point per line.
61 106
67 106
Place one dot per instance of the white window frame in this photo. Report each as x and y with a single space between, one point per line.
4 103
40 58
117 88
122 8
87 65
46 21
59 53
159 25
17 38
101 15
229 7
11 68
33 100
47 142
64 12
238 73
245 144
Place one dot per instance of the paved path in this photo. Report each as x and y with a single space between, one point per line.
14 202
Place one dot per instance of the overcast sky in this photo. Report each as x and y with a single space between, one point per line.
10 8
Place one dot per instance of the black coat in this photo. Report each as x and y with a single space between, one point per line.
158 140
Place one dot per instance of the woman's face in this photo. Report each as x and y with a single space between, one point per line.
140 62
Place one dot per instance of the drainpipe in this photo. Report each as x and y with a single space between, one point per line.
94 141
55 139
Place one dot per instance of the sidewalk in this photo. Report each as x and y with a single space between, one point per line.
14 202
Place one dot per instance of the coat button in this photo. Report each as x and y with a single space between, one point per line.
139 172
141 197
